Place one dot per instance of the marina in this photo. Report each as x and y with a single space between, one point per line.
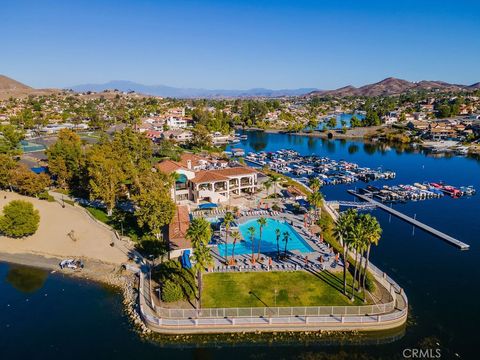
327 171
415 192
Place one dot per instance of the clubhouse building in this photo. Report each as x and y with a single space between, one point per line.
200 179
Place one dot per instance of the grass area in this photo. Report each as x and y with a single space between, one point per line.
99 214
61 191
129 226
286 181
296 288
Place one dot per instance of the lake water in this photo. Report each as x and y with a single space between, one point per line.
45 316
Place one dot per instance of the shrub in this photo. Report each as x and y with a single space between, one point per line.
171 291
19 219
177 283
46 196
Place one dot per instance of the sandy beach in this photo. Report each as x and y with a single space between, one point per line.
91 240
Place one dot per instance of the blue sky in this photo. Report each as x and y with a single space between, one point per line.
239 44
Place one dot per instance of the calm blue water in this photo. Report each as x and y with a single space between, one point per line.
52 316
268 244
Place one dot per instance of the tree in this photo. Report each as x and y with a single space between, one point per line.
373 232
261 222
105 174
65 158
277 235
312 122
332 122
201 137
315 184
227 220
19 219
154 206
356 244
342 232
267 185
7 165
355 122
27 182
10 139
135 151
199 233
235 236
251 232
315 199
275 178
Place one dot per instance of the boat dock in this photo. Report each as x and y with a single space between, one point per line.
429 229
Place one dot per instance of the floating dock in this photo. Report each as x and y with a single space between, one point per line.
429 229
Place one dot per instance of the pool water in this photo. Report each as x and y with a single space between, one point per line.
268 244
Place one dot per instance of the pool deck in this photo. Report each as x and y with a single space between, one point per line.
321 258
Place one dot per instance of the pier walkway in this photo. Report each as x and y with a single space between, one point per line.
429 229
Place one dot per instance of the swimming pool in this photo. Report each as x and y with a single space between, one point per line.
269 239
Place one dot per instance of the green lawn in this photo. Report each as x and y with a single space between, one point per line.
296 288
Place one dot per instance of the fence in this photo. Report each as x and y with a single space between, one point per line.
274 317
275 311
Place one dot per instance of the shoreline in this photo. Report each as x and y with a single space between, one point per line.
354 134
95 270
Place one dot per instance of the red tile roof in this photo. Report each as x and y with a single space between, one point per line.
177 229
168 166
220 174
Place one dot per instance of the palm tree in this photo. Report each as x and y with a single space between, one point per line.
251 231
356 242
315 184
373 232
342 232
315 199
274 178
278 233
267 185
235 235
227 220
286 237
199 233
261 222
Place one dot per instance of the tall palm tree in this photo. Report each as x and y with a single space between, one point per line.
199 233
286 237
251 231
373 232
227 220
356 242
267 185
315 184
275 178
315 199
235 235
342 232
277 234
261 222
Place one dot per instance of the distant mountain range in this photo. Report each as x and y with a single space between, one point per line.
170 91
393 86
390 86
